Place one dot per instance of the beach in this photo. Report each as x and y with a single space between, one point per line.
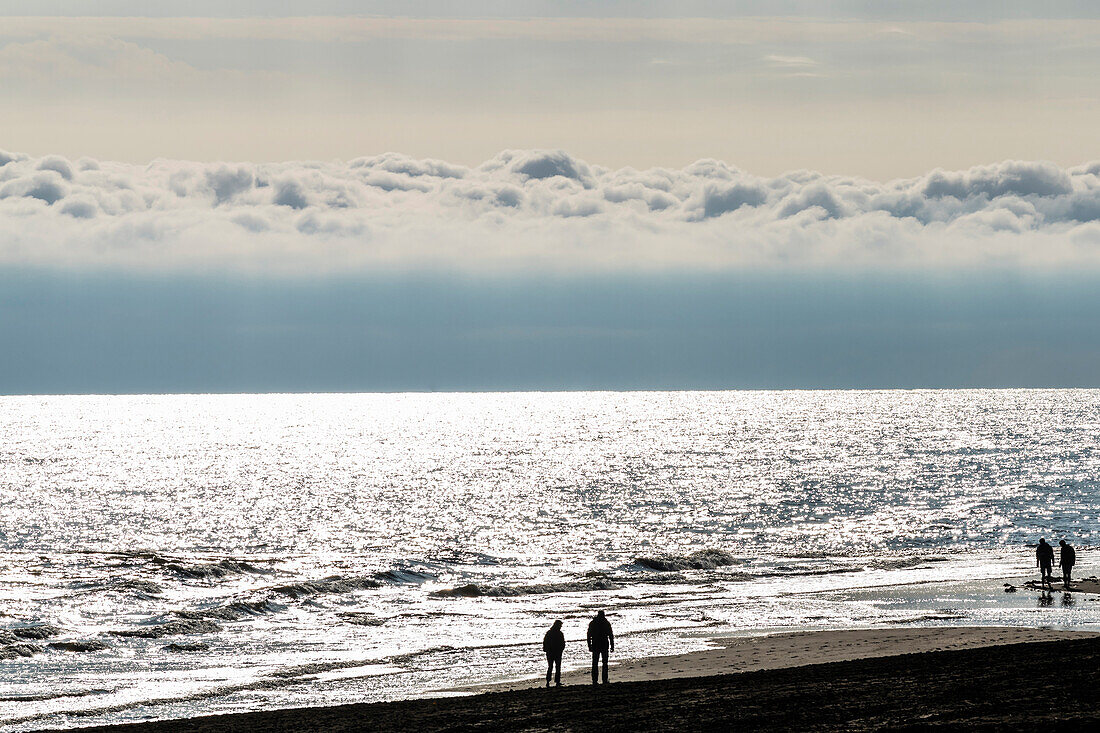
978 678
798 649
254 553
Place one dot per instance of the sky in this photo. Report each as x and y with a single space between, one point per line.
336 195
853 88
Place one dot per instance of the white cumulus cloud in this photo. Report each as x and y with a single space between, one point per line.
535 209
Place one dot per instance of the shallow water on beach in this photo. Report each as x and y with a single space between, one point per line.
249 551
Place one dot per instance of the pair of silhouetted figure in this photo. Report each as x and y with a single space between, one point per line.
601 642
1044 558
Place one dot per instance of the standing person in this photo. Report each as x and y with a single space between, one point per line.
554 645
1044 558
1067 559
601 641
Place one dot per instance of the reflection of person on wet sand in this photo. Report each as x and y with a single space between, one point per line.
1067 559
553 644
1044 558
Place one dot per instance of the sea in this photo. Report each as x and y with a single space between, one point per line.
166 556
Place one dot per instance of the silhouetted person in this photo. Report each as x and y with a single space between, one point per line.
1044 558
553 644
601 641
1067 559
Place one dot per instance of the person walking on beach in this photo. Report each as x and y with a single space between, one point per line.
554 645
1067 559
601 641
1044 558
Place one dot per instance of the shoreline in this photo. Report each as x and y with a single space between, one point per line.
787 650
742 681
1013 686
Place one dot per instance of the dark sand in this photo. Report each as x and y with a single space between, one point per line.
732 654
1028 686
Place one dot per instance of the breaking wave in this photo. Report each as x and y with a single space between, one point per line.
799 571
15 651
52 695
206 571
475 590
404 575
183 646
171 628
902 563
234 611
701 560
33 633
136 586
90 645
334 584
362 618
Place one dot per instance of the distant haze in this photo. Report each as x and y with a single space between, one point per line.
130 334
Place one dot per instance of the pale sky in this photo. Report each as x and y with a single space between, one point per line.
876 89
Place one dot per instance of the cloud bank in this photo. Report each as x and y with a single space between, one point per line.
535 210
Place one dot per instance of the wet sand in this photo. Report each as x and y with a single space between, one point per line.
776 651
955 678
1085 585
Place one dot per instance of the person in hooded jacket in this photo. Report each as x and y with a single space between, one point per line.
553 643
601 641
1067 559
1044 558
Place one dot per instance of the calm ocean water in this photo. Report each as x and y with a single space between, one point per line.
166 555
